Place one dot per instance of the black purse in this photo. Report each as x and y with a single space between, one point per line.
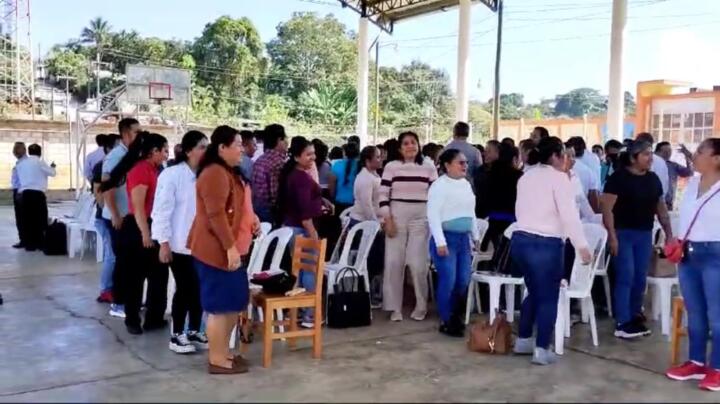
276 284
349 305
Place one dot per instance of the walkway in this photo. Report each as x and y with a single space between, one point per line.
58 344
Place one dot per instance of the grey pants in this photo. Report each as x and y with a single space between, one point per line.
409 248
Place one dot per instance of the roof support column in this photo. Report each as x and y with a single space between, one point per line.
616 98
463 62
362 81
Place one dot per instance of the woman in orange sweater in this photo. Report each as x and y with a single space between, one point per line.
220 240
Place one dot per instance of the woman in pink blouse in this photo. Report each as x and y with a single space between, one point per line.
546 215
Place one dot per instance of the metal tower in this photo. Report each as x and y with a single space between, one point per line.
16 64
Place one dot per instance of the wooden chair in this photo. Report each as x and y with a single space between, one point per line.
677 330
302 259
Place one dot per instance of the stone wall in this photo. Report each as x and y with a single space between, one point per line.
58 143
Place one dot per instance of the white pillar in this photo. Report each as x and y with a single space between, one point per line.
463 62
616 97
362 82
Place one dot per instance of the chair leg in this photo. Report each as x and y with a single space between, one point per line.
280 317
469 302
268 336
317 338
566 312
608 299
478 302
494 299
665 307
656 301
593 321
293 327
510 302
560 327
675 333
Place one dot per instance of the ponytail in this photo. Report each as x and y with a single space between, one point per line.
143 145
352 153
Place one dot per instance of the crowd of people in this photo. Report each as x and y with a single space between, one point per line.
198 214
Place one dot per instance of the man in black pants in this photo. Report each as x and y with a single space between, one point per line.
33 175
20 153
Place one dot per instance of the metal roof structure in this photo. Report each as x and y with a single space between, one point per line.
385 13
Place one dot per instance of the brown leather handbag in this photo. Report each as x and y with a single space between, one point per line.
495 338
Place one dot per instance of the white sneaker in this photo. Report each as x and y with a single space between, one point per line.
198 339
180 344
418 315
396 316
116 311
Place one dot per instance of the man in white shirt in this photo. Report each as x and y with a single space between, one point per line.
659 166
95 157
588 169
33 175
20 153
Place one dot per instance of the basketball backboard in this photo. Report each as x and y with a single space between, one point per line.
157 84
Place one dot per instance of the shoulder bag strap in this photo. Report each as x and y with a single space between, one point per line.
697 212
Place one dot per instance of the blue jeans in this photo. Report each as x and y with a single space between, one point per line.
631 268
700 287
453 271
306 279
541 260
108 264
264 213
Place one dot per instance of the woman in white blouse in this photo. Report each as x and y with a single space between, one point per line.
367 207
451 218
700 268
172 216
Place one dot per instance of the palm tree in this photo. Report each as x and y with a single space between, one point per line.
98 33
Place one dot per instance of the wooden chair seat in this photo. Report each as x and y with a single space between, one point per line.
269 303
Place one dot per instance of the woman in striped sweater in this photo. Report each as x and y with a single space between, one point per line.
403 204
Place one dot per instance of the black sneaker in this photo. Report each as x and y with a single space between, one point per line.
179 343
134 329
451 331
198 339
639 321
629 330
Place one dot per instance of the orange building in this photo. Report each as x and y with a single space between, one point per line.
676 112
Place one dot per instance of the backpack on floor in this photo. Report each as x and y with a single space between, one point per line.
55 239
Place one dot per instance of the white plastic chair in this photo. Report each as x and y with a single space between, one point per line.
477 255
368 230
344 224
662 295
265 229
580 287
601 272
283 236
77 227
495 282
345 217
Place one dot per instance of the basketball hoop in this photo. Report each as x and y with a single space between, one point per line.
159 92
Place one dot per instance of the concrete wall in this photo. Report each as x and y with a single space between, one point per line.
59 146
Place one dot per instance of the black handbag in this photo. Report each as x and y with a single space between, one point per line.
276 284
501 262
349 305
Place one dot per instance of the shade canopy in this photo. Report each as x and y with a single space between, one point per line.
384 13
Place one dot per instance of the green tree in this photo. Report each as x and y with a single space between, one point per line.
481 121
310 50
97 33
229 59
63 62
630 105
328 105
580 101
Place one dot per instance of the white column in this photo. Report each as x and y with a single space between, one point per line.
616 97
362 82
463 62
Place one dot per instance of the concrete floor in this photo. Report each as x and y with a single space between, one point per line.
58 344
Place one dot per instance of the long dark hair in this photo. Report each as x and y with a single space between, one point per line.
144 144
367 154
189 141
321 152
447 157
549 147
392 147
298 144
222 135
418 156
352 152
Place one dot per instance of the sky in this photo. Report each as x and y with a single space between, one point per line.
549 46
